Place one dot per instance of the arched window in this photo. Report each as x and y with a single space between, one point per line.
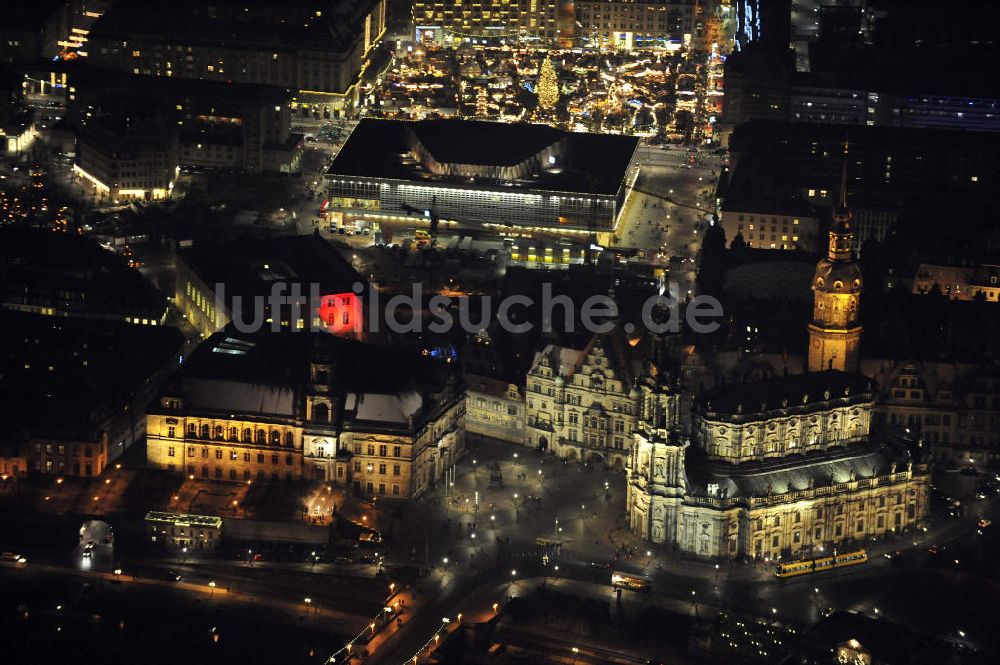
204 431
261 437
275 438
192 430
777 520
233 434
218 432
321 413
247 435
289 439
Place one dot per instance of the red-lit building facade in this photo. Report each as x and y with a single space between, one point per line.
252 283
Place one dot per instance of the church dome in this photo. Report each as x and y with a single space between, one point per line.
837 277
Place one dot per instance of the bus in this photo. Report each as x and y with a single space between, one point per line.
630 582
820 564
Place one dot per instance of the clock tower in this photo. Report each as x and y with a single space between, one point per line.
835 331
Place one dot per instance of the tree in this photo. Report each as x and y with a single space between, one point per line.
548 86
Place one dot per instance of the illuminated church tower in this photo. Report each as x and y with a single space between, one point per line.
835 332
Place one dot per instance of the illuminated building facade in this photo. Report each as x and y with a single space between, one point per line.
447 21
240 126
69 457
215 280
954 408
770 224
483 174
494 409
179 531
125 157
627 24
316 47
309 406
783 467
741 493
582 404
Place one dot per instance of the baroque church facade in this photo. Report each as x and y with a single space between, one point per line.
785 467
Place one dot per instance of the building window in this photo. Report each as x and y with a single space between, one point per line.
218 453
381 468
397 451
395 469
171 432
395 490
170 451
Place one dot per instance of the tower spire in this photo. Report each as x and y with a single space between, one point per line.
843 178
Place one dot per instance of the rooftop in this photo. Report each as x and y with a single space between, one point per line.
64 376
249 267
267 373
283 26
784 392
881 455
180 519
106 81
72 272
552 159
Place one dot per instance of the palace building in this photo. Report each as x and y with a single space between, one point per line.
783 467
290 406
584 404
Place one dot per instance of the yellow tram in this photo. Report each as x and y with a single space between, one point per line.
820 564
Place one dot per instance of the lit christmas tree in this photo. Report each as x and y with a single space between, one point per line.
548 86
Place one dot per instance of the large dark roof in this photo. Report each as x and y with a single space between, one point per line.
249 267
41 265
267 372
266 24
878 456
62 377
596 163
29 15
773 394
171 88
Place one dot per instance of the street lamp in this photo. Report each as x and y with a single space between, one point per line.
211 585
